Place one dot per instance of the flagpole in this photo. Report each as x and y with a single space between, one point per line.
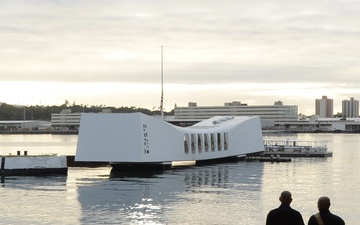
162 85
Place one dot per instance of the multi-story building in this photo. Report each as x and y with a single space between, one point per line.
276 112
350 108
324 107
65 119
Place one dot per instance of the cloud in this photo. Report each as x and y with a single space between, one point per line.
250 42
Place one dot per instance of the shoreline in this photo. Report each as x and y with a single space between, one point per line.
75 132
72 132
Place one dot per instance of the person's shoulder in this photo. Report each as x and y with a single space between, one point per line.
296 214
338 219
273 210
312 220
295 211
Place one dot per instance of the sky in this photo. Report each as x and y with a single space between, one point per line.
109 52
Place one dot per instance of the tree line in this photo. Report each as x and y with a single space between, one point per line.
39 112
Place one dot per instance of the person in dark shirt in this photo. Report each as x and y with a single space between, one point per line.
324 214
284 215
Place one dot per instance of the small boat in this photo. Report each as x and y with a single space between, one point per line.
295 148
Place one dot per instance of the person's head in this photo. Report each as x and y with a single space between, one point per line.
323 203
285 197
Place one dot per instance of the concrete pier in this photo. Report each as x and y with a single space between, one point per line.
33 165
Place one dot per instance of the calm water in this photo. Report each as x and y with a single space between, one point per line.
233 193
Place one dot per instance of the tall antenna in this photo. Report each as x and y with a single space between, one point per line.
162 85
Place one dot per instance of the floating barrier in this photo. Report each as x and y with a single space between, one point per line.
25 165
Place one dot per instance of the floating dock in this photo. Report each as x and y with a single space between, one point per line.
295 148
25 165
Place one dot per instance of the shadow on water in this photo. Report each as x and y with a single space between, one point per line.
114 174
34 182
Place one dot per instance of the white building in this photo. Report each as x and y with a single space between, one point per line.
276 112
350 108
134 138
65 119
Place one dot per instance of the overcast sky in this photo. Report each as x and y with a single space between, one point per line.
109 52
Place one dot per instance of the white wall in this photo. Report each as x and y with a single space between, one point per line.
32 162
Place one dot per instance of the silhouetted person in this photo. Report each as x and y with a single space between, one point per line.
324 216
284 215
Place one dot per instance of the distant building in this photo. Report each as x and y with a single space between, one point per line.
315 123
324 107
14 125
350 108
66 120
278 103
234 103
276 112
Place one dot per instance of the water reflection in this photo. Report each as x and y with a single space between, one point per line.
154 198
217 176
135 174
34 182
37 200
219 194
122 199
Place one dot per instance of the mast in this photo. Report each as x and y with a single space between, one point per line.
162 85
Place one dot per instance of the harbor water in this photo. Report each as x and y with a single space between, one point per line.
227 193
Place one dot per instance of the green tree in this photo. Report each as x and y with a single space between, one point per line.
39 112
